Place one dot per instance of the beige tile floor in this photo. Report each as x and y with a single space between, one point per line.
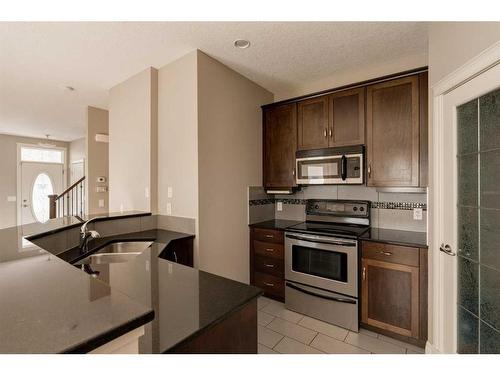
287 332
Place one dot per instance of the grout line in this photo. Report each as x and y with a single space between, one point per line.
317 333
281 339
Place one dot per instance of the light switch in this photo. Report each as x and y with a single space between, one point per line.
417 214
169 192
11 198
279 206
169 208
101 203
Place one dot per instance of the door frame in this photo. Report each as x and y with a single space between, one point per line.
479 64
18 163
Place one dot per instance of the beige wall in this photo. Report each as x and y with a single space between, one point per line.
178 137
97 160
132 154
229 160
451 45
348 76
77 150
8 174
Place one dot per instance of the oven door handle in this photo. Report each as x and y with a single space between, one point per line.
319 295
320 240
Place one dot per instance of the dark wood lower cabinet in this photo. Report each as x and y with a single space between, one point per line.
267 262
179 251
394 291
237 334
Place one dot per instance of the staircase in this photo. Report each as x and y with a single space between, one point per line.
71 202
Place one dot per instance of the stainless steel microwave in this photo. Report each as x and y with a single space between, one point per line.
330 166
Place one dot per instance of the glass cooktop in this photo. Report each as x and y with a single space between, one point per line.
330 229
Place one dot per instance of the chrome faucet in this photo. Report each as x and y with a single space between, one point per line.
86 235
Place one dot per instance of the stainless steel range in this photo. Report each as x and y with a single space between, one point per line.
321 261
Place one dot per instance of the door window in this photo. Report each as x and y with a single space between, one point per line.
42 188
328 264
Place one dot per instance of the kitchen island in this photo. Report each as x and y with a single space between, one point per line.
50 306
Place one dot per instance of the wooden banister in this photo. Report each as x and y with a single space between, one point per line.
70 188
70 202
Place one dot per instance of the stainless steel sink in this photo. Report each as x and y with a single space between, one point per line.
117 252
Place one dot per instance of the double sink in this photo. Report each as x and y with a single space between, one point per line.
117 252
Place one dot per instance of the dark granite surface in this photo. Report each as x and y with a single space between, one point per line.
49 306
185 300
275 224
396 237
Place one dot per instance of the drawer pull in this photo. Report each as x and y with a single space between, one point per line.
270 250
386 253
268 284
269 235
269 265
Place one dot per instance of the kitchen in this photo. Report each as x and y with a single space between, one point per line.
250 188
329 250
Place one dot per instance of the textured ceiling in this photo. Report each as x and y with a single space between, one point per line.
37 60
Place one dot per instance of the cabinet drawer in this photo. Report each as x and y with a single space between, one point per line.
270 284
267 249
270 266
391 253
268 235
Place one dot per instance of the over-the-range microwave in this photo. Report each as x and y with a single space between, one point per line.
330 166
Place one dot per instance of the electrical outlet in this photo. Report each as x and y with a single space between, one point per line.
279 206
146 192
121 207
417 214
101 203
169 208
169 192
11 198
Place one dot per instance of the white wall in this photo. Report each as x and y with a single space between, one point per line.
77 150
229 160
451 45
132 158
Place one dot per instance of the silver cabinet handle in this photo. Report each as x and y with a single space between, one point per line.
269 265
330 133
386 253
269 236
369 170
364 273
270 250
268 284
447 249
293 172
324 133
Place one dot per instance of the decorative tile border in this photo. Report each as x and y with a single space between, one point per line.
382 205
399 205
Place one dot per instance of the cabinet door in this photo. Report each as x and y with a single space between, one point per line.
390 297
313 123
347 118
392 121
280 145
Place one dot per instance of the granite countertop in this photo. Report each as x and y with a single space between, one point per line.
275 224
396 237
49 306
186 301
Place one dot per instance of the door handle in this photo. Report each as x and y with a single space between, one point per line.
447 249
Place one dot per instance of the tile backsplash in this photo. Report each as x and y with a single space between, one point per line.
388 210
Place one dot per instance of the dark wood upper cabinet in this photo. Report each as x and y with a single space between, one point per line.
280 145
393 132
347 118
312 123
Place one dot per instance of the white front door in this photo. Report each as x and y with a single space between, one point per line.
467 199
38 180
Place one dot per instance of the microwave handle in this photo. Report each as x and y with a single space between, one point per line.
343 168
319 295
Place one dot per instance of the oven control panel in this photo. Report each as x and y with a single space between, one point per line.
347 208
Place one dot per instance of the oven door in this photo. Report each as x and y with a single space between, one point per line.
323 262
